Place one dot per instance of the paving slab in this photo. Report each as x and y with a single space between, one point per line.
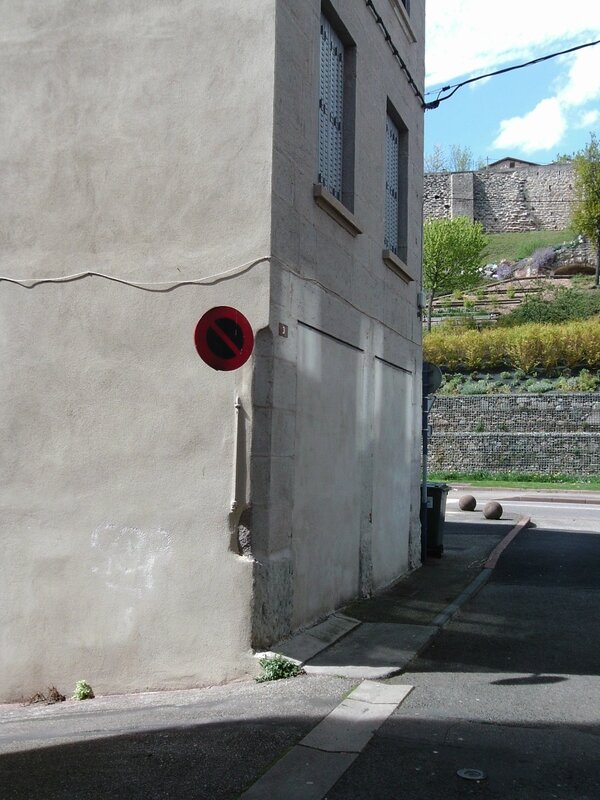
349 727
305 645
302 774
309 770
373 650
375 692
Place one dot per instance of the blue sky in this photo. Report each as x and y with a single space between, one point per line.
532 113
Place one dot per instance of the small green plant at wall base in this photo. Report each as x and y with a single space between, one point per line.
274 668
83 691
511 292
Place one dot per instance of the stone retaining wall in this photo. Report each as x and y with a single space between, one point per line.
520 199
546 434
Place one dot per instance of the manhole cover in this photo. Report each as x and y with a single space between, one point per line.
471 774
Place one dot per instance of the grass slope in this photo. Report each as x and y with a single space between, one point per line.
515 246
516 481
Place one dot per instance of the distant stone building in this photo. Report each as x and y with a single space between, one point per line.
508 195
509 162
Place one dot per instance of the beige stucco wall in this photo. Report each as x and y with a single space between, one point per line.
165 142
135 135
341 395
136 142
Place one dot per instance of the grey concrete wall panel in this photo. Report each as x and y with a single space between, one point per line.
392 474
326 515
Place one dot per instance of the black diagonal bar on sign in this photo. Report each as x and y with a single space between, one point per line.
225 338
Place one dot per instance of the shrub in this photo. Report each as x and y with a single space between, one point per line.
566 305
586 382
475 387
274 668
83 691
540 387
524 349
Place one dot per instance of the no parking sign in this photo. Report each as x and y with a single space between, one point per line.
224 338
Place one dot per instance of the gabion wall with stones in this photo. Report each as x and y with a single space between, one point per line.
544 434
520 199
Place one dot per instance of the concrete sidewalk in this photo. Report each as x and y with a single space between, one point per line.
215 743
377 638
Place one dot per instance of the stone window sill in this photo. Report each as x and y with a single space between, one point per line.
336 210
396 265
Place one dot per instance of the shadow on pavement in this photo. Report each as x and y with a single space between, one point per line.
413 758
538 615
424 593
211 760
419 759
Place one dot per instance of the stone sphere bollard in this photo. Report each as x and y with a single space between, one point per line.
467 503
492 510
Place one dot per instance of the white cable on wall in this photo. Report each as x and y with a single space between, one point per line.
162 286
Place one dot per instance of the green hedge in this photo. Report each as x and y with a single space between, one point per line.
567 305
527 347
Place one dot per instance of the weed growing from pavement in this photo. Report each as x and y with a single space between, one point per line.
83 691
275 668
48 698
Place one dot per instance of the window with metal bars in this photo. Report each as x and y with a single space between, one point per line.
337 89
392 142
396 183
331 109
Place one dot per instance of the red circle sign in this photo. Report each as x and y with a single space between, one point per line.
224 338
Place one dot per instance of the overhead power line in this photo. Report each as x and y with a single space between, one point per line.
396 52
456 86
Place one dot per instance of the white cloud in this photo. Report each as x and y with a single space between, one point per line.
470 36
466 38
583 78
588 118
540 129
544 126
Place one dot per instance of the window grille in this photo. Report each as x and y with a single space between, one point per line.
331 109
392 143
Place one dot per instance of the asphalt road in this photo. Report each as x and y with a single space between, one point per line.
567 515
511 687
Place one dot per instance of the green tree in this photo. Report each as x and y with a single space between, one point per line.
586 209
452 251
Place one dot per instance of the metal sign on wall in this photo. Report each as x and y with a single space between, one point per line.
224 338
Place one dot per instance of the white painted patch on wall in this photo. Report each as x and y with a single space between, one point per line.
128 558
